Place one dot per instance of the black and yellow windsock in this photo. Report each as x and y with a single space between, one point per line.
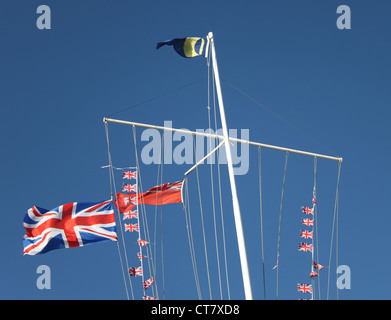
187 47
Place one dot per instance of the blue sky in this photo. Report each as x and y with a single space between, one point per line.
99 58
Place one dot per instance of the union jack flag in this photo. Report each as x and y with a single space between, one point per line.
70 225
129 187
148 298
132 200
307 210
305 247
318 266
140 256
306 234
313 274
304 288
142 243
133 271
314 200
147 283
131 227
307 222
130 214
129 175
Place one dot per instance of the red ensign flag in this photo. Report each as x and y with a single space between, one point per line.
158 195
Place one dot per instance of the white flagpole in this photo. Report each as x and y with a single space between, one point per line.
235 202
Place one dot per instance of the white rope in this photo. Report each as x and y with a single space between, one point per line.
279 223
337 224
220 193
186 206
202 223
112 186
213 195
160 168
335 216
314 230
298 129
261 216
142 212
161 227
316 226
141 224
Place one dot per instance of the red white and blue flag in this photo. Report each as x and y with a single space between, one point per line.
140 256
129 175
70 225
142 243
133 271
318 266
147 283
131 227
306 234
129 187
304 288
305 247
307 210
307 222
130 214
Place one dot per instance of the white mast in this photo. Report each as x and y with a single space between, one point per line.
226 141
235 202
